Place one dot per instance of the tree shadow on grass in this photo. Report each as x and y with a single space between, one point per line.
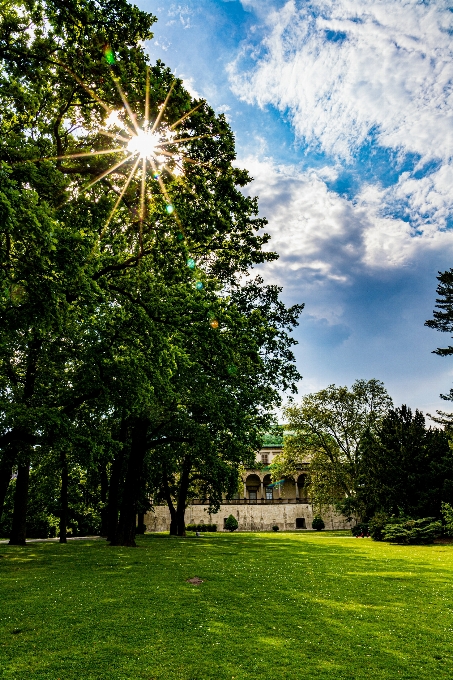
277 606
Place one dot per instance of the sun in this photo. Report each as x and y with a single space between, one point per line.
152 146
144 144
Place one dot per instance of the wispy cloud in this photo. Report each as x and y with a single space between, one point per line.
343 68
183 12
347 71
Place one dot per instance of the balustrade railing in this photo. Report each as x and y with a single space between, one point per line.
256 501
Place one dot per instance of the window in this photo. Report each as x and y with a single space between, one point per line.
252 495
265 458
269 493
300 523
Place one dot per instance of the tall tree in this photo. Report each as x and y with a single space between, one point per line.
443 316
103 270
44 247
405 467
327 428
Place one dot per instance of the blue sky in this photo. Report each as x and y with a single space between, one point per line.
342 111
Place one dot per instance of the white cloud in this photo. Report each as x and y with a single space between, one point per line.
183 12
390 70
320 234
190 87
345 69
368 283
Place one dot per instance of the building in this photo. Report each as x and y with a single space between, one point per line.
261 504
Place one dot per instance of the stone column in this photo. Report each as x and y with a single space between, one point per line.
245 490
279 490
262 490
297 488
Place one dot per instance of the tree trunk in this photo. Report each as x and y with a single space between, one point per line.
6 472
182 497
116 478
180 522
140 523
125 534
63 497
171 507
104 492
19 528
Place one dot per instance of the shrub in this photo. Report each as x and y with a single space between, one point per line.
201 527
85 522
376 525
413 531
360 529
231 523
42 525
318 523
275 527
447 513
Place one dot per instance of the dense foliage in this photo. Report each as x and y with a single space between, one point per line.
231 523
369 460
201 527
326 430
406 468
443 314
411 531
447 515
137 360
360 529
318 523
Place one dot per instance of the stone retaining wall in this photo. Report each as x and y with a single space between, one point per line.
251 517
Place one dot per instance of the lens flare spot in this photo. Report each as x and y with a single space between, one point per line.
17 292
199 285
169 209
191 263
214 323
108 54
180 236
144 144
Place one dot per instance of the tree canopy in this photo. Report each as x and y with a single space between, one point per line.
406 468
131 338
443 316
327 430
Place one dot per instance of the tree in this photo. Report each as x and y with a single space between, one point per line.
104 306
46 265
231 523
327 428
318 523
405 468
229 395
443 315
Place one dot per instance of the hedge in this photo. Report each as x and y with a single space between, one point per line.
201 527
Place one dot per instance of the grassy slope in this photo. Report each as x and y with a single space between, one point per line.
272 606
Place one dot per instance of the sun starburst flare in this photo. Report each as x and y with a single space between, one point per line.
149 146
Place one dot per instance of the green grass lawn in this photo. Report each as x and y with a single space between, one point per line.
306 605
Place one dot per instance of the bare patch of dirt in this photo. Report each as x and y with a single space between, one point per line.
195 581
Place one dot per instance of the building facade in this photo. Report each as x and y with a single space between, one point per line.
261 504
